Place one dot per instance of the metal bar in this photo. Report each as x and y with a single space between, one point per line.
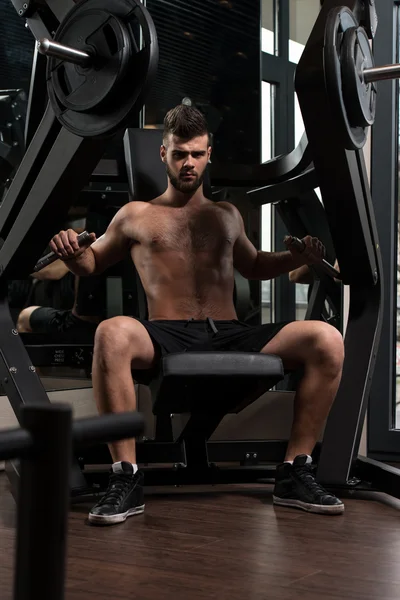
15 442
361 345
148 451
18 442
107 428
284 293
37 27
382 477
48 199
381 73
180 475
315 301
43 505
283 22
18 376
31 164
66 53
327 268
211 475
37 98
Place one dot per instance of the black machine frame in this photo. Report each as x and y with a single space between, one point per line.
348 203
43 186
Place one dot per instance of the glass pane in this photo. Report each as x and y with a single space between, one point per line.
268 32
267 91
303 14
16 49
298 121
301 300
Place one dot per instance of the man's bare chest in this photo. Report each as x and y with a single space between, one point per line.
188 232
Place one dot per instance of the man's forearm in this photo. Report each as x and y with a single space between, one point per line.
301 275
269 265
84 265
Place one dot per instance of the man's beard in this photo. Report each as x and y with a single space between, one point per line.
186 187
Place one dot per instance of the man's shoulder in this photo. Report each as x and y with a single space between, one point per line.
137 205
133 209
226 206
229 208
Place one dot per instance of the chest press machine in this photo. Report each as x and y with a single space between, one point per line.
81 117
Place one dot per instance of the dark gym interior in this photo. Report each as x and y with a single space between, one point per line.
301 100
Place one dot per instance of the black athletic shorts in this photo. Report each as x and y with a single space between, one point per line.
169 337
49 320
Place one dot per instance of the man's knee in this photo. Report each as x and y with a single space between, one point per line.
326 346
120 339
23 321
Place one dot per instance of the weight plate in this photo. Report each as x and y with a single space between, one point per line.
359 96
83 88
105 96
340 20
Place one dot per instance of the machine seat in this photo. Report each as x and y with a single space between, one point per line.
213 382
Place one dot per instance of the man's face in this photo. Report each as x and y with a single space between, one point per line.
186 161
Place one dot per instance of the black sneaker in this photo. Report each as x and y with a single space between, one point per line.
295 486
123 498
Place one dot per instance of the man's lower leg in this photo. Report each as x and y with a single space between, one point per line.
114 391
313 401
295 484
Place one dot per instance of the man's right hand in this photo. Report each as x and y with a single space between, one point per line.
66 246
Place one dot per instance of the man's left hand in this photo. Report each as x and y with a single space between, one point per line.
312 254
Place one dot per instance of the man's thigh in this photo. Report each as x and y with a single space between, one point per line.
295 342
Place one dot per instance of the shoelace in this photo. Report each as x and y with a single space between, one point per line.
117 487
305 474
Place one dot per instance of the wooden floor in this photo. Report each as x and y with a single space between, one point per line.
233 545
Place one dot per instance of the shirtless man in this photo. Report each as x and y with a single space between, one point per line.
185 248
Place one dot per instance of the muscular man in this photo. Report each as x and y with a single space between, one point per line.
185 249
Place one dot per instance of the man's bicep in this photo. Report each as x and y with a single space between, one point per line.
111 247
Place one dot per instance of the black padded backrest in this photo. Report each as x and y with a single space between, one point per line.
146 172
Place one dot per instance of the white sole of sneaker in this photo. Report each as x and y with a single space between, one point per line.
113 519
313 508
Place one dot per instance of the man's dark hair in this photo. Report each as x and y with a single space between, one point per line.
185 122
